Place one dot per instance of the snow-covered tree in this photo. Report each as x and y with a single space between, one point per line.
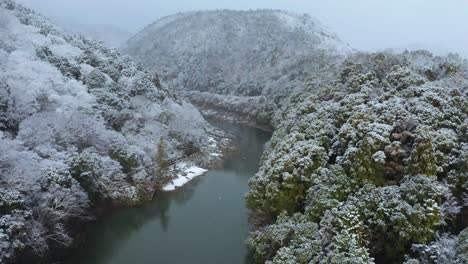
389 138
79 124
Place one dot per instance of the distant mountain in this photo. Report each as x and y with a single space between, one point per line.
111 35
234 52
261 53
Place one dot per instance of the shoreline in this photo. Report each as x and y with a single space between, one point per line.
189 173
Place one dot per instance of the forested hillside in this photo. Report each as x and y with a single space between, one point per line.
80 127
369 166
368 161
265 53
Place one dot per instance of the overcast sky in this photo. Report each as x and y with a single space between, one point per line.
364 24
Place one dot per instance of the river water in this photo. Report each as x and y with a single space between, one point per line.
203 222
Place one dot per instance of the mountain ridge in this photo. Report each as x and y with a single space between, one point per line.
228 41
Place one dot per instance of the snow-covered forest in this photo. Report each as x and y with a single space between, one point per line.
368 162
80 126
233 52
368 166
265 53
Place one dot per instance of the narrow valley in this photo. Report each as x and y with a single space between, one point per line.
205 221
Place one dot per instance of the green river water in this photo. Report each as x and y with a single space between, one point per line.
203 222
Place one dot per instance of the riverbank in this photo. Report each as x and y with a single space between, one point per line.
186 174
204 217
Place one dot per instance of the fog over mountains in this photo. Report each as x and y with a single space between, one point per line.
111 35
365 25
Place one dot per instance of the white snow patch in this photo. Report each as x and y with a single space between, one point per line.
86 68
66 50
181 179
212 142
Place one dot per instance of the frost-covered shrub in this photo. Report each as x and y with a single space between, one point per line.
441 250
389 219
283 184
422 159
125 157
296 239
12 234
13 215
289 239
458 182
61 202
402 78
345 247
10 201
61 63
102 177
57 176
329 188
462 246
86 169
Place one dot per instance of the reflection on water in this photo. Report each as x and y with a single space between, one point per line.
204 222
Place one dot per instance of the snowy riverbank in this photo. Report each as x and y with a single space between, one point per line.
188 173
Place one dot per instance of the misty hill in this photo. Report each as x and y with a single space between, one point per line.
262 53
80 126
233 52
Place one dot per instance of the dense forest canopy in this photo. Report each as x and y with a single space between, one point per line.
369 166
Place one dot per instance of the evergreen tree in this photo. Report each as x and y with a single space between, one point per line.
161 157
422 159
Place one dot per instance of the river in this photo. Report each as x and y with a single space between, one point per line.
203 222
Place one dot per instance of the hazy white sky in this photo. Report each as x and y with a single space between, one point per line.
364 24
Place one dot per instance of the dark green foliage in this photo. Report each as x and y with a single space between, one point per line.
285 233
422 159
68 69
364 166
329 188
57 176
85 169
162 162
129 161
10 201
392 174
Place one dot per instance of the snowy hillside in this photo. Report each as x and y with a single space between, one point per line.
369 166
233 52
80 127
242 53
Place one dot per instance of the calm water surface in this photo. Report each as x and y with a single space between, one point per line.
203 222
